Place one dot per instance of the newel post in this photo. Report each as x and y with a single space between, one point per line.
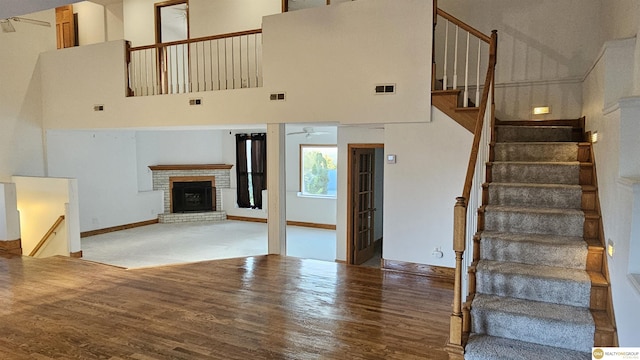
459 235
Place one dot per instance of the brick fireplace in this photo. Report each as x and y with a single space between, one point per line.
191 191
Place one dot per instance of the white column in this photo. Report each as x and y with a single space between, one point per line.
72 217
276 211
9 216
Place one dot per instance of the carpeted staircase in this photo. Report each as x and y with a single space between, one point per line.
533 291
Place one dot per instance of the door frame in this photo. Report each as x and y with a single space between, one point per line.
161 59
157 17
350 177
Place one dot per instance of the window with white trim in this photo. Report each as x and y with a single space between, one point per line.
318 170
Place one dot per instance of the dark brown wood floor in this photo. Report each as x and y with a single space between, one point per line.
267 307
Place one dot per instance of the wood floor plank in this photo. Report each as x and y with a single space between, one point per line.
266 307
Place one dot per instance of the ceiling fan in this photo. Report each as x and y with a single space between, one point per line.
308 131
7 27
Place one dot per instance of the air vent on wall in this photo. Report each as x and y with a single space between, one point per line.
385 89
277 97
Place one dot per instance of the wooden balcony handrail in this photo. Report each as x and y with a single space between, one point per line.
200 39
46 236
464 26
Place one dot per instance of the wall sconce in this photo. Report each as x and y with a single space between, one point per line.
594 137
541 110
610 248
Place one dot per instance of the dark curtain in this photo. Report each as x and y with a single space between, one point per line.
258 167
242 174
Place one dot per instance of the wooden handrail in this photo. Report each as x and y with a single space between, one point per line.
204 38
466 192
46 236
457 321
466 27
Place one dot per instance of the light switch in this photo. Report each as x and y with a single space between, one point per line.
391 159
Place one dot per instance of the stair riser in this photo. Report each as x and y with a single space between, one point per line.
560 198
535 173
534 223
536 152
531 134
577 337
533 288
573 257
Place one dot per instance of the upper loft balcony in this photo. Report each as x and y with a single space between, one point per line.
327 60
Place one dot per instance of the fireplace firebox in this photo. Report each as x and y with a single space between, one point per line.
193 196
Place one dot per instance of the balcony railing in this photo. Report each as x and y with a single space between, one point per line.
220 62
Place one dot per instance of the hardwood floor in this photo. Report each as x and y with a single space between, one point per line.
266 307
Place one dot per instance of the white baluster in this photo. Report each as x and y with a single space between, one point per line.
197 69
455 62
446 48
478 75
466 76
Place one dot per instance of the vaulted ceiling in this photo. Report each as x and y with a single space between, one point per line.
9 8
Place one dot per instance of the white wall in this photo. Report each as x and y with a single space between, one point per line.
9 215
104 162
336 54
542 58
175 147
300 208
419 190
615 118
314 65
428 176
206 17
20 97
225 16
91 22
115 21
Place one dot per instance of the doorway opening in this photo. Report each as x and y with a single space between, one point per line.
172 21
311 185
172 26
365 204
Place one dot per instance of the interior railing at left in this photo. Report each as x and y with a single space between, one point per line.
220 62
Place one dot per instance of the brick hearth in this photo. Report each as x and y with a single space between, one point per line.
161 175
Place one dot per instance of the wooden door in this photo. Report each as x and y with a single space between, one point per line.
363 201
65 27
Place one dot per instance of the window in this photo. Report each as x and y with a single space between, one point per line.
318 170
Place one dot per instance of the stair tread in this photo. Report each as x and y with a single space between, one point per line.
533 309
493 347
469 109
526 143
535 185
536 126
549 239
597 278
559 163
446 92
537 210
540 271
